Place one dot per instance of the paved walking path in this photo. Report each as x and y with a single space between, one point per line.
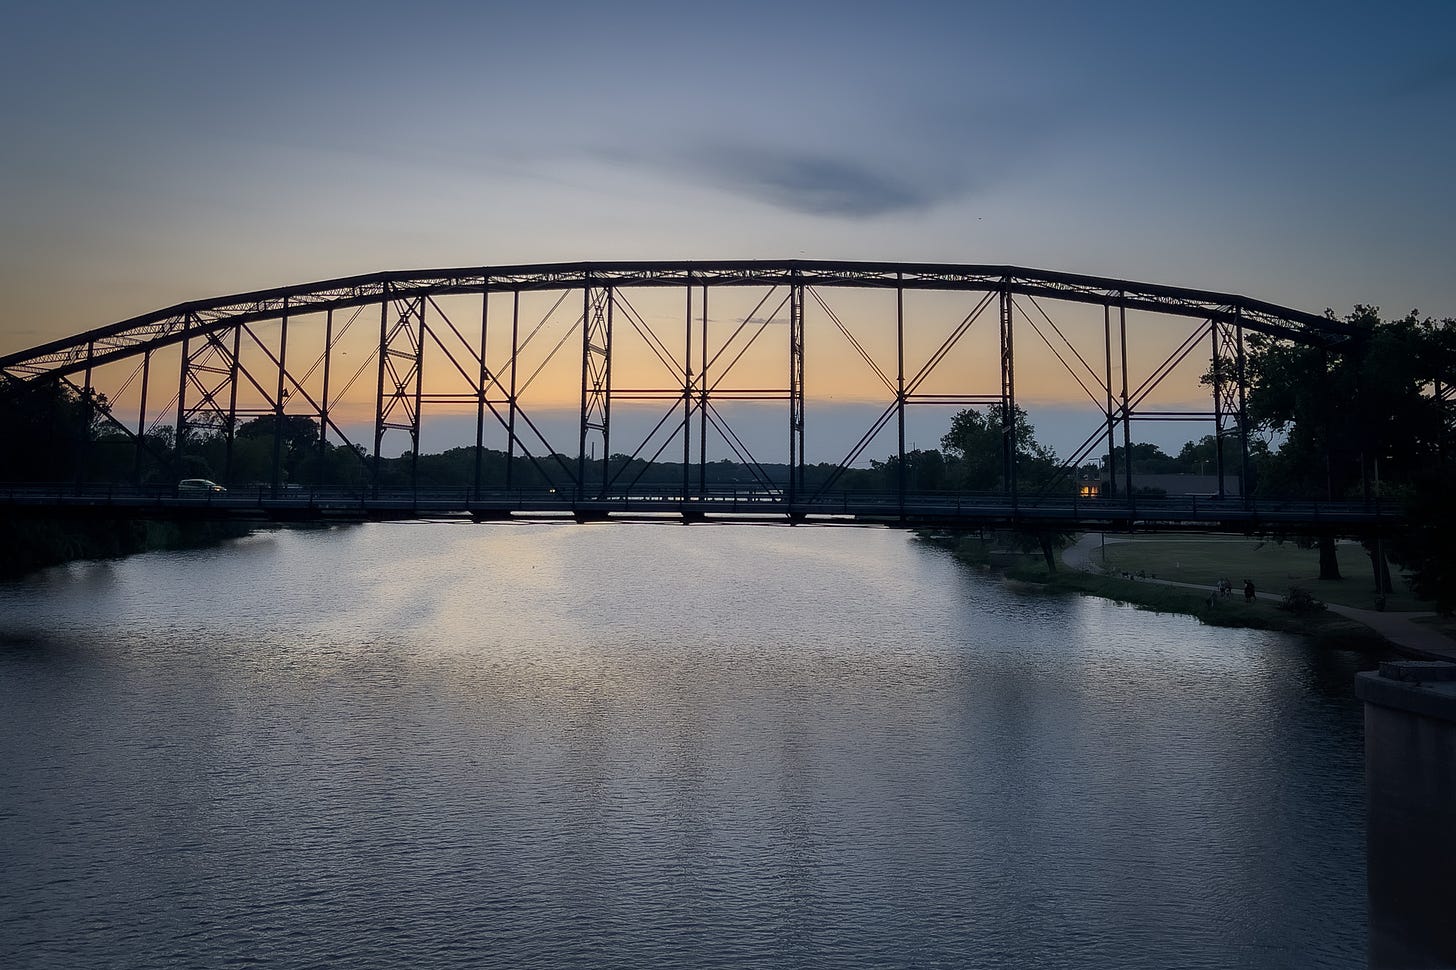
1399 628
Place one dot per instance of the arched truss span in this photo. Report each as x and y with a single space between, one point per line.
200 317
230 370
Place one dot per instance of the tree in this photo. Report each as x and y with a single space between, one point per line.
975 444
925 471
1201 457
1360 420
49 431
253 446
1147 459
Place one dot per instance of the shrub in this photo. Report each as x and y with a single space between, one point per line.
1301 602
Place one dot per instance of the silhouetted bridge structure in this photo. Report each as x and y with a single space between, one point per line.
262 391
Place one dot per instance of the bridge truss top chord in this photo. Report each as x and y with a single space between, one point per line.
229 370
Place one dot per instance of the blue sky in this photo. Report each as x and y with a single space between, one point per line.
157 152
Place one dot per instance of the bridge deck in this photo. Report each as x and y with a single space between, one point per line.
922 509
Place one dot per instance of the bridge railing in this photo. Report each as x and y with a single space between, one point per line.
721 499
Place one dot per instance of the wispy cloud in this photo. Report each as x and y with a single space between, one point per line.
815 183
903 158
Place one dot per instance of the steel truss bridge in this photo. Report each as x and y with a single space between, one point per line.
167 386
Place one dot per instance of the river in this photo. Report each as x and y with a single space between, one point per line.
554 745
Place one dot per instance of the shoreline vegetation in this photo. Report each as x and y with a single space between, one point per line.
33 543
1029 570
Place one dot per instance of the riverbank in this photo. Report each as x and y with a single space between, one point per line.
33 543
1265 613
1078 575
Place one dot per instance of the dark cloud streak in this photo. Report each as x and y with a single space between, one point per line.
815 183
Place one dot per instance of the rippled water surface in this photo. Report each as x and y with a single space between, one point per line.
437 745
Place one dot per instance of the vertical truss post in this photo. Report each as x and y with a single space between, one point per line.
379 414
418 418
687 424
405 368
586 399
1328 434
1111 422
279 399
900 382
141 435
1126 408
182 389
610 300
88 413
1445 396
596 377
1439 389
1008 396
511 416
324 400
1214 333
1242 378
703 403
1227 394
480 385
232 422
212 368
796 388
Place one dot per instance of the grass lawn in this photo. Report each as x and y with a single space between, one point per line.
1274 567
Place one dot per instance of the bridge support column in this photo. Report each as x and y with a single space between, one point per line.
141 434
88 412
181 428
1242 377
1126 409
1008 396
401 364
323 477
703 401
796 389
1111 418
382 353
278 400
1217 332
511 413
900 383
1410 745
596 381
211 368
232 420
687 390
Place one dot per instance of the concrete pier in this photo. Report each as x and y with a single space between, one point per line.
1410 780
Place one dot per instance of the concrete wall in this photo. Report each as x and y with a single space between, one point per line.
1410 777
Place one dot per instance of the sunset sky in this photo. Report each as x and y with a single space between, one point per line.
158 152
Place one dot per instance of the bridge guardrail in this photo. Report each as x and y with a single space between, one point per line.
323 500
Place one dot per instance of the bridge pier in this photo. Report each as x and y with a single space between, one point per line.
1410 746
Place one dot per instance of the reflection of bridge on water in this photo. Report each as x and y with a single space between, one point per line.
918 509
279 355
